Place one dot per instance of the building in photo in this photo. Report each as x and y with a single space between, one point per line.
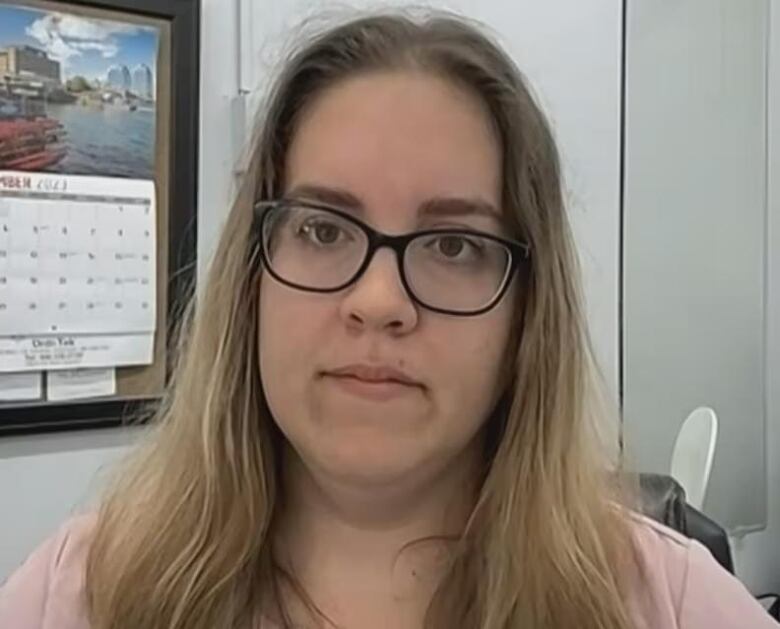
143 84
29 62
119 78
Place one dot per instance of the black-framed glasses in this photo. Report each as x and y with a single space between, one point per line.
319 248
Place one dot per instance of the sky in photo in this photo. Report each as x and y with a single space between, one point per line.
83 46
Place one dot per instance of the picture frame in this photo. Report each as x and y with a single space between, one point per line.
140 388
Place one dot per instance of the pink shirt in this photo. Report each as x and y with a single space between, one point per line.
686 588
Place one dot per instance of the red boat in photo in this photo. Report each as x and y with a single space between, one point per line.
31 144
29 140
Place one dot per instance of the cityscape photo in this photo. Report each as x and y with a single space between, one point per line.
77 94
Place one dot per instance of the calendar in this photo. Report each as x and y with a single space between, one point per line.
77 262
76 259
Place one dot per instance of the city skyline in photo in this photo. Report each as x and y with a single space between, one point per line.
84 47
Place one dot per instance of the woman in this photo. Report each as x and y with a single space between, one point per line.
383 411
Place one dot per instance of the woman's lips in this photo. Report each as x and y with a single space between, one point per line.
373 382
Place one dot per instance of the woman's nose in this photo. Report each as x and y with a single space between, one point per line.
378 300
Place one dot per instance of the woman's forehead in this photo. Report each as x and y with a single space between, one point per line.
397 138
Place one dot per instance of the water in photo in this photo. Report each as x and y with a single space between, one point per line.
77 94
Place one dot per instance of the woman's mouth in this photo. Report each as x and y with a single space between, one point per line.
380 383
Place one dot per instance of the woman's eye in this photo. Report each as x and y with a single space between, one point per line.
322 232
456 248
451 246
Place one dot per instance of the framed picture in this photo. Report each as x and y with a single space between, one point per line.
98 216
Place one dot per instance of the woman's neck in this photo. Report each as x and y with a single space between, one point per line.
359 550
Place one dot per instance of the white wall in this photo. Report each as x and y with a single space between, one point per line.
45 478
757 556
694 240
218 89
696 171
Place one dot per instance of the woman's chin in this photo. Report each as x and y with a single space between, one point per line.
369 465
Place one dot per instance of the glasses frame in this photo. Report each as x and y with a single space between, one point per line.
519 252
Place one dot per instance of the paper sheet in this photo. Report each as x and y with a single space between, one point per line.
74 384
20 386
77 255
78 351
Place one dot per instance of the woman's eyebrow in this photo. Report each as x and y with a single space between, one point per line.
329 196
436 207
458 206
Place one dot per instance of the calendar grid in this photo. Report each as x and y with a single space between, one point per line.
76 263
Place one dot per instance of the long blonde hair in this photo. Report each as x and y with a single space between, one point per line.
184 538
